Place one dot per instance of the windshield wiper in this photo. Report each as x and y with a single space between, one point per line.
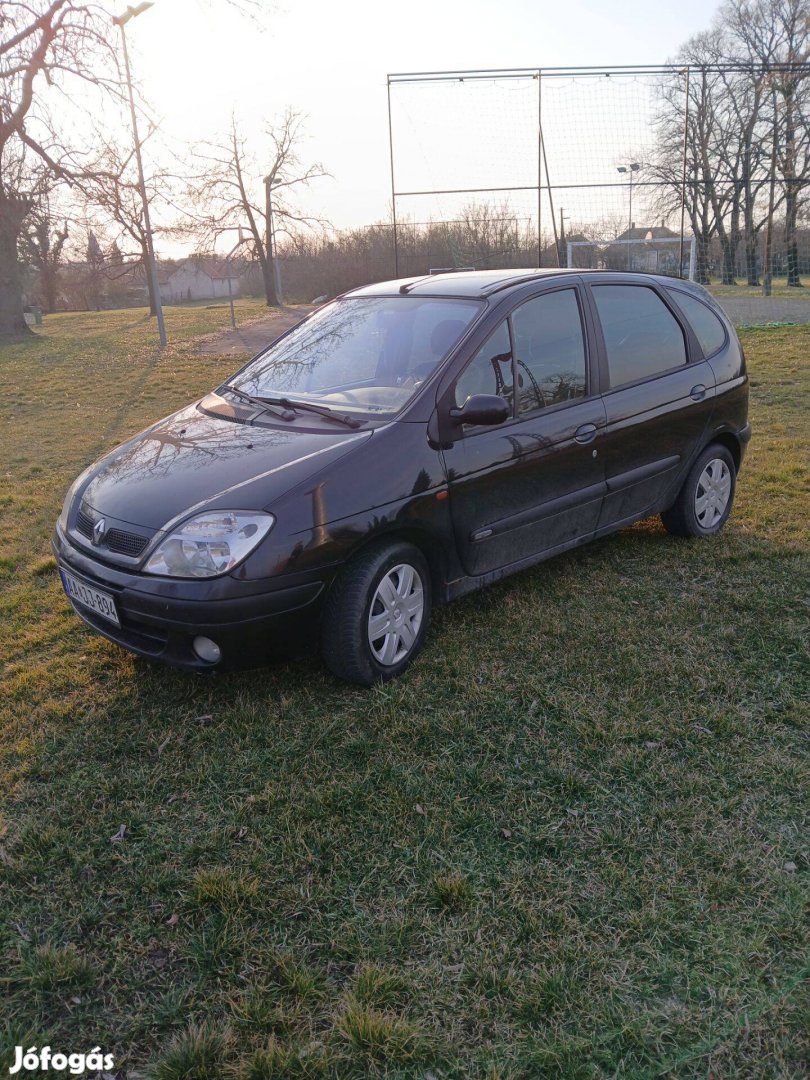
262 403
321 410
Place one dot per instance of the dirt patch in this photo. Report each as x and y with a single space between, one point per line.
254 335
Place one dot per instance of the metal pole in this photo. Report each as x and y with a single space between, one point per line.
767 275
230 292
550 197
393 188
683 176
630 229
151 268
539 166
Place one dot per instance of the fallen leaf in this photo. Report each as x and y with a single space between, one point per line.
119 836
790 867
507 833
173 920
703 730
242 832
418 808
202 719
164 744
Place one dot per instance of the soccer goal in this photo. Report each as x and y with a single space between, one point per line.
649 252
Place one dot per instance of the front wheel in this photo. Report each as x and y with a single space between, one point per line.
376 614
705 500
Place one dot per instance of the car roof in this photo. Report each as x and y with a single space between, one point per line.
479 284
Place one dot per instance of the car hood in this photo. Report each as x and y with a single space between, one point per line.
195 459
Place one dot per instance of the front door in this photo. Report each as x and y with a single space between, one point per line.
536 482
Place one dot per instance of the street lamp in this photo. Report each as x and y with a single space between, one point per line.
151 268
633 167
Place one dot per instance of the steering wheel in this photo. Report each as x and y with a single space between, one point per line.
418 375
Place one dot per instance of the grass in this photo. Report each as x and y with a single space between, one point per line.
570 843
779 288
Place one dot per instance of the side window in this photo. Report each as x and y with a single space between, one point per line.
709 331
642 336
490 370
549 350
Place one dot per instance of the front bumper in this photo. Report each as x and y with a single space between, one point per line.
161 617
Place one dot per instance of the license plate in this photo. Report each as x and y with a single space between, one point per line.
90 597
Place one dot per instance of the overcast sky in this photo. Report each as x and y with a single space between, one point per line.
198 61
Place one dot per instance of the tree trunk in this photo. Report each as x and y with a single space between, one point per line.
47 276
269 279
12 319
791 245
729 258
751 268
702 257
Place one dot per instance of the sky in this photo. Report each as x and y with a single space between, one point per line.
199 61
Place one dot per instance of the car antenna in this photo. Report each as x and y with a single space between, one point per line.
406 288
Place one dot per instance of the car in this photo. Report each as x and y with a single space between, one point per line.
403 445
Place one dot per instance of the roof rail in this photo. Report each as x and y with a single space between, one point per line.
505 283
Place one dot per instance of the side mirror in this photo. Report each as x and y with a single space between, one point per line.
482 409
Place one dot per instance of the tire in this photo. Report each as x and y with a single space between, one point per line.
390 583
705 500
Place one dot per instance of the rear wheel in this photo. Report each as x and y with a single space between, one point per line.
705 500
376 614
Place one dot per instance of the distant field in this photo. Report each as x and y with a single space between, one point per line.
779 287
570 843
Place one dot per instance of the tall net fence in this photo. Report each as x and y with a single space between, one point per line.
699 172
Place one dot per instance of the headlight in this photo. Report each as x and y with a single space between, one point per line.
209 544
66 505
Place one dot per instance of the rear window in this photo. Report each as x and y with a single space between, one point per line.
708 329
642 336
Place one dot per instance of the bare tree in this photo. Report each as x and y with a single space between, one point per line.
257 192
47 48
42 241
688 126
112 201
775 34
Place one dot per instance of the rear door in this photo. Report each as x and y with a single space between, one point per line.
535 482
658 394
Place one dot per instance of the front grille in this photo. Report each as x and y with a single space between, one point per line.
126 543
117 540
84 524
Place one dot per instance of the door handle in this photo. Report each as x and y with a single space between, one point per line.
585 433
698 393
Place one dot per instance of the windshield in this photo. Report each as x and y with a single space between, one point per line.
364 355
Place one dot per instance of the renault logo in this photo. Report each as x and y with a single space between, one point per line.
99 529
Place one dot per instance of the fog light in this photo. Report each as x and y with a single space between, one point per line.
207 649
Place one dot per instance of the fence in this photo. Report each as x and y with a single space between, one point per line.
694 171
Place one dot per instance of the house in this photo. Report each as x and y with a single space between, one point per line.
202 277
649 249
